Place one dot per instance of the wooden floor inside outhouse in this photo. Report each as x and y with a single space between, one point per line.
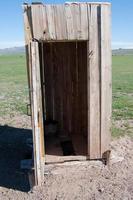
64 78
57 151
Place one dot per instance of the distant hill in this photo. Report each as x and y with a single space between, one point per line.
21 50
13 50
122 52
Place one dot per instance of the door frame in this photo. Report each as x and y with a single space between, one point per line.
37 114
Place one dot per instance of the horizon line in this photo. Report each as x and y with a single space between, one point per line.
114 45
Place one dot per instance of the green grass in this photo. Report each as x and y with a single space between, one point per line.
117 132
122 75
122 87
14 89
13 84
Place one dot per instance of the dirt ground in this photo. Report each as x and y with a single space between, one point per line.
70 181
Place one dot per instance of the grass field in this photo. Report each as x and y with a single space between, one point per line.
123 87
13 85
14 90
122 75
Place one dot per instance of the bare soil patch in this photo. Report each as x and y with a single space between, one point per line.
70 181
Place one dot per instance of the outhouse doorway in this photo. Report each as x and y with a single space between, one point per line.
64 95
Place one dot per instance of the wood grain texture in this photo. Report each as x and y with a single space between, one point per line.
59 22
93 85
69 22
50 16
106 79
83 22
76 62
27 24
37 115
28 38
38 24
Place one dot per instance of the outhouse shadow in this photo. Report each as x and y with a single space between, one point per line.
12 150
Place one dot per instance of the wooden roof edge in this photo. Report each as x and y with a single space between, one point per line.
66 3
97 3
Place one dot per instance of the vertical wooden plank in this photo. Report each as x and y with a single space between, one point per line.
69 86
69 22
28 37
73 75
93 85
82 62
61 79
60 22
48 78
44 21
59 83
27 24
37 122
56 59
80 94
77 21
75 9
50 14
72 14
64 89
85 91
106 79
83 22
42 72
38 22
31 64
84 94
77 114
52 83
42 96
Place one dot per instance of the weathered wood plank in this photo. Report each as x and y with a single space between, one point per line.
43 22
60 22
61 80
50 14
93 85
69 22
106 79
74 89
89 3
82 62
69 91
38 24
46 76
28 37
41 95
72 13
37 115
27 24
83 22
77 97
64 88
76 20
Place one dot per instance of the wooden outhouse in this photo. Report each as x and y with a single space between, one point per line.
68 49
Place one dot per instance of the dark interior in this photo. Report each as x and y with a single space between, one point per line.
64 88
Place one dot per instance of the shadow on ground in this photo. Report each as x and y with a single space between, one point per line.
12 150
